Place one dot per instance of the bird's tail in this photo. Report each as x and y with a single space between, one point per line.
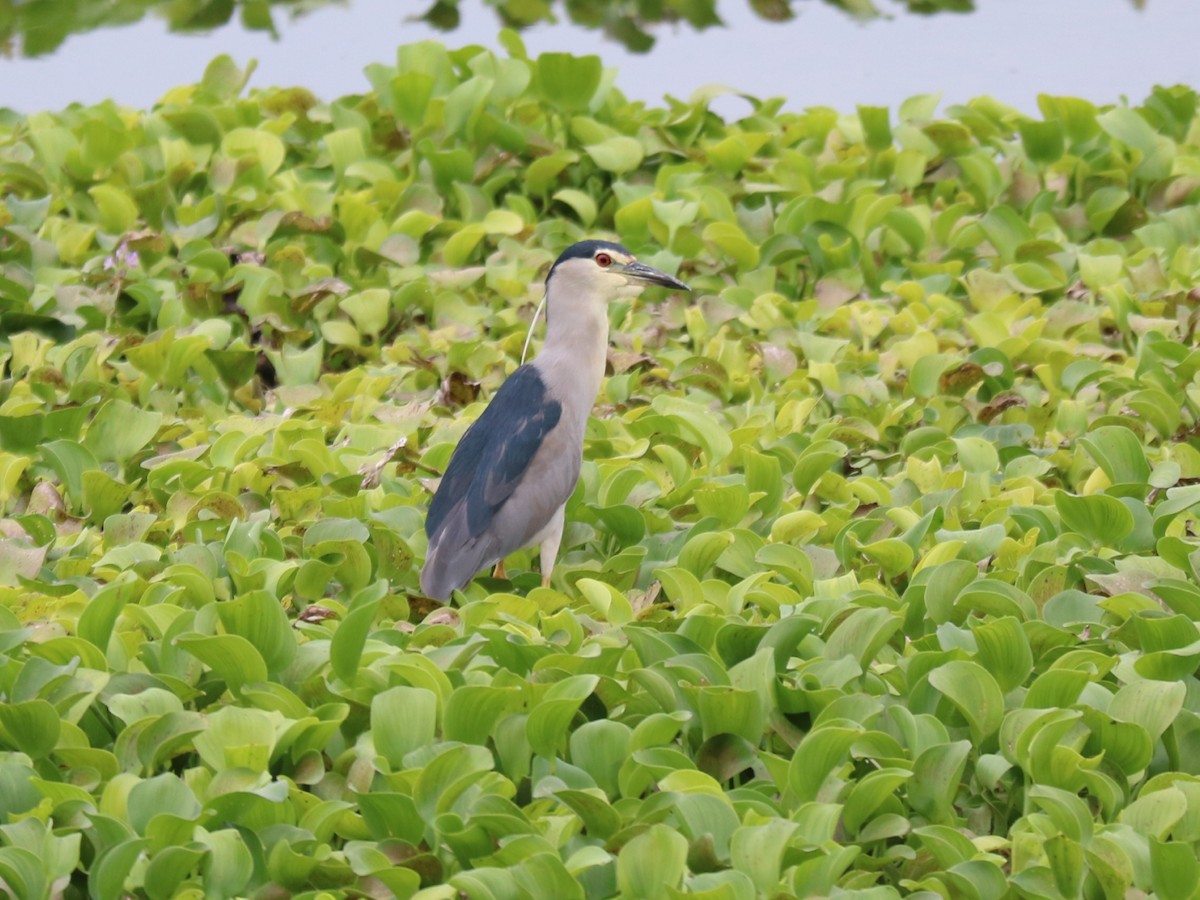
435 581
449 567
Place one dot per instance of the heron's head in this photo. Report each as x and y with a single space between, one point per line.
604 271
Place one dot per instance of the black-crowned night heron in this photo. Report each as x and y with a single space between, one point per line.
511 474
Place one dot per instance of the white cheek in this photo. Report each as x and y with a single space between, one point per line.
629 290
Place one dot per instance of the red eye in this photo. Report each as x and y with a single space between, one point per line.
603 260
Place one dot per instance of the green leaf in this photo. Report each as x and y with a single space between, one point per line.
237 738
728 710
877 133
1066 863
1043 141
542 173
163 794
1004 651
1174 869
120 430
862 634
1155 814
869 793
256 145
258 617
223 79
821 752
597 814
702 551
31 726
1151 704
1119 453
695 426
653 860
1098 517
758 851
546 728
99 617
1135 132
608 602
937 773
106 878
473 711
70 462
617 154
345 650
601 748
458 249
229 865
732 241
232 658
22 872
116 210
971 688
582 204
168 869
402 720
568 82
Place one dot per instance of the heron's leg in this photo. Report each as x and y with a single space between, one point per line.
500 571
551 539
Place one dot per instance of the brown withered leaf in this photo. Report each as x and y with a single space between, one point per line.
10 528
296 100
641 603
457 391
723 756
420 606
324 287
146 242
45 500
457 278
304 222
316 614
778 360
305 298
830 293
249 257
960 379
443 616
405 416
999 404
1135 581
371 472
704 373
428 866
624 360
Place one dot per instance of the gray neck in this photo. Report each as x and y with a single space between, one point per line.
576 349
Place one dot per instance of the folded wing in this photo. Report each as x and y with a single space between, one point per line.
485 469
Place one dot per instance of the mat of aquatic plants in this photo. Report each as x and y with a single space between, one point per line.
39 27
882 577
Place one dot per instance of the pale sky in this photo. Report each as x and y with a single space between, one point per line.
1011 49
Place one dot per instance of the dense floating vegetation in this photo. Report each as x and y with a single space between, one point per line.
881 577
35 29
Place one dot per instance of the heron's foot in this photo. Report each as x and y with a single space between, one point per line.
546 580
500 571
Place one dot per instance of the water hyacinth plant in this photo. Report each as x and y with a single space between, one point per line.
881 577
37 29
